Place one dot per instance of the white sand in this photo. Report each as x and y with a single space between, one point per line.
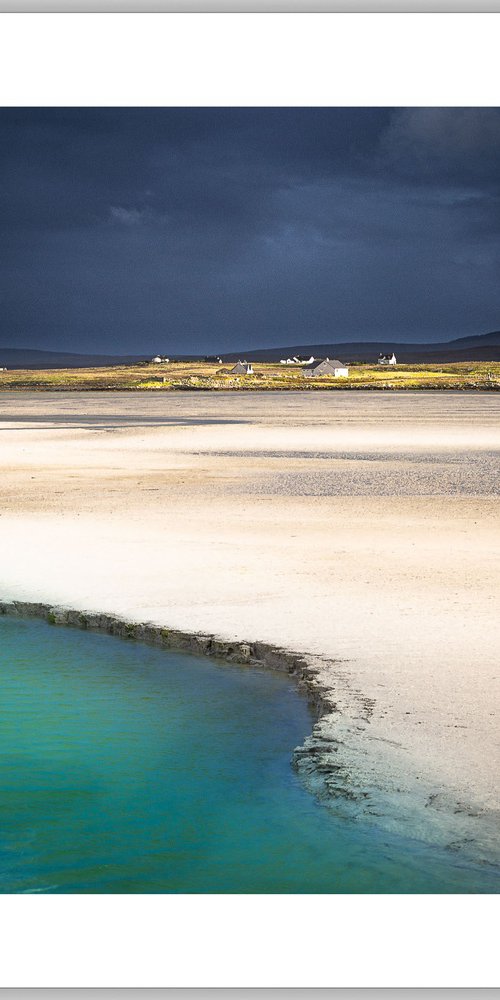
361 527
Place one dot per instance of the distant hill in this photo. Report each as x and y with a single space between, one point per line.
11 357
484 347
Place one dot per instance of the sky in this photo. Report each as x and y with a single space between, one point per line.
193 230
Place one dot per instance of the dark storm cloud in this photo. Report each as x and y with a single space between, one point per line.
200 230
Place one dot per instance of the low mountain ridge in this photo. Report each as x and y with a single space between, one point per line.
26 358
482 347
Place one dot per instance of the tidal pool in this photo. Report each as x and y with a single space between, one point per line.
125 768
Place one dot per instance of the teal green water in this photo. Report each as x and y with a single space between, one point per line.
124 768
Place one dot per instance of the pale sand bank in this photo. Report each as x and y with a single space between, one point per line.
361 529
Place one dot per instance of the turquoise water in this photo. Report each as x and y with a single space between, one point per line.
124 768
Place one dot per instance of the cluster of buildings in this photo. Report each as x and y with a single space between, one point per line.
311 367
314 367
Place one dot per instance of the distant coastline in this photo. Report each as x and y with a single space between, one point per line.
199 376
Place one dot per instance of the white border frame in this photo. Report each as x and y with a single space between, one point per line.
249 941
249 59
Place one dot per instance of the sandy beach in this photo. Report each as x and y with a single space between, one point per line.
359 529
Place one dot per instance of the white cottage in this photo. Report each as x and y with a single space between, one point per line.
326 367
242 368
387 359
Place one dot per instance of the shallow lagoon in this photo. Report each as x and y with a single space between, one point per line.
125 768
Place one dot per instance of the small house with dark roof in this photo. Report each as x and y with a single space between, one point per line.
319 368
387 359
242 368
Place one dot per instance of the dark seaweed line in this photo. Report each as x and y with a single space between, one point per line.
259 654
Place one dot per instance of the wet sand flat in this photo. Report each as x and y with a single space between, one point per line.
359 528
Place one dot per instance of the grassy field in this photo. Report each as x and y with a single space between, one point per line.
201 376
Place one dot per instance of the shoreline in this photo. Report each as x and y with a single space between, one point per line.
319 762
350 538
236 389
258 654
